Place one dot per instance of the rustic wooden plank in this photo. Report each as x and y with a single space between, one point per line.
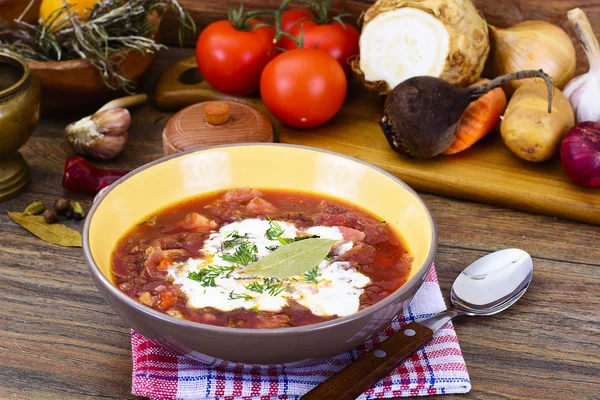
500 13
508 355
59 339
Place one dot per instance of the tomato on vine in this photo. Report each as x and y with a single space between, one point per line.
232 54
303 87
290 18
331 35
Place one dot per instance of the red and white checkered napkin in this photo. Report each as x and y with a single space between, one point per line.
437 368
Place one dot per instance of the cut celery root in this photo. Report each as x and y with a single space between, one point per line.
399 44
401 39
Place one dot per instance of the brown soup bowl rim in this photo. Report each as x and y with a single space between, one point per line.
260 332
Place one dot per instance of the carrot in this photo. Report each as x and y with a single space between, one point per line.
478 120
166 300
164 264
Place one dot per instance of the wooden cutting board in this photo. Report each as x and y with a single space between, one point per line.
488 172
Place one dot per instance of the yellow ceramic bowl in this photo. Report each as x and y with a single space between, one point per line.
171 179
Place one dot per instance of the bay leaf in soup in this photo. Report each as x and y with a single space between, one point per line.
51 233
292 259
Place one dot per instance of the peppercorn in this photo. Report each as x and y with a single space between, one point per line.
50 216
61 205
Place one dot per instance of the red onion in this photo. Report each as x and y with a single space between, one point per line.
580 154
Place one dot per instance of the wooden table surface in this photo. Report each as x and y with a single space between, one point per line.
60 340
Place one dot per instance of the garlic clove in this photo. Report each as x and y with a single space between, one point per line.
102 135
583 91
107 147
81 133
112 122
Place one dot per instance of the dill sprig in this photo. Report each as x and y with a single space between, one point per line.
312 275
299 238
206 276
236 296
112 26
244 254
271 286
276 230
233 239
254 287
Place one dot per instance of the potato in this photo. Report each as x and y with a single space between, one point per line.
528 129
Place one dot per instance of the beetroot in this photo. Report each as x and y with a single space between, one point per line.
422 113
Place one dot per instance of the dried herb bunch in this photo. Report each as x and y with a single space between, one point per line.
112 26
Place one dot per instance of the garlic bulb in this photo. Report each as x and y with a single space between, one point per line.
583 92
102 135
532 45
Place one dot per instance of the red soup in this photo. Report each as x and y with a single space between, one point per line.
250 258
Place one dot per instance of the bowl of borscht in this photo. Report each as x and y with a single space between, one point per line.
259 253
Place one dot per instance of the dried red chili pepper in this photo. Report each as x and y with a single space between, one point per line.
83 177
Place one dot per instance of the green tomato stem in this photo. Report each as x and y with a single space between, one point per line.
241 21
277 16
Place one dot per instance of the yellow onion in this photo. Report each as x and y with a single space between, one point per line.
532 45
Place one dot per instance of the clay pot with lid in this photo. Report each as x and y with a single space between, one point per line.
19 115
213 123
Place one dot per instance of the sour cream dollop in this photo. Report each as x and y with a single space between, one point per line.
331 289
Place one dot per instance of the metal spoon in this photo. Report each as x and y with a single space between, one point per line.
489 285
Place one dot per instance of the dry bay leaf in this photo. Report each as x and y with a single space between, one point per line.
51 233
292 259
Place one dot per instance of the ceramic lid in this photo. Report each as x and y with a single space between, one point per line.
213 123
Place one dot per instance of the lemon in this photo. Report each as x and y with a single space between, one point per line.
82 8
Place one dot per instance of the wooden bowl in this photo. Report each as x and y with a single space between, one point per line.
76 85
12 9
